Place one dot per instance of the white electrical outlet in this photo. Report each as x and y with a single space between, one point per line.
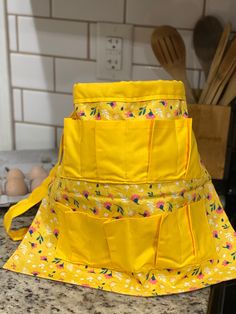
114 51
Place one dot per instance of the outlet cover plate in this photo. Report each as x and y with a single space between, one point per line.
123 32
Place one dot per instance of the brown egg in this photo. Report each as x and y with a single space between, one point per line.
15 187
15 173
37 171
35 183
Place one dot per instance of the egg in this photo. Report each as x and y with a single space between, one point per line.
16 187
37 171
15 173
35 183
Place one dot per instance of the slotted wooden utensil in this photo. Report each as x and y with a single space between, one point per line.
230 91
169 49
216 62
223 74
206 36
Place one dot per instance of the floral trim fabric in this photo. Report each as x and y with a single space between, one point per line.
154 109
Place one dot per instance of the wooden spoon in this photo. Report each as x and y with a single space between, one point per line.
169 49
216 62
223 74
230 91
206 36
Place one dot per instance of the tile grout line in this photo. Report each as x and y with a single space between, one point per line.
88 41
51 56
55 137
22 104
65 19
124 11
95 21
54 73
90 60
39 124
10 77
50 8
17 35
42 90
159 66
204 7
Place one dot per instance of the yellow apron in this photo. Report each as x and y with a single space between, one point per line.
129 207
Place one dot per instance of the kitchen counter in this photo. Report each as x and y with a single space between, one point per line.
25 294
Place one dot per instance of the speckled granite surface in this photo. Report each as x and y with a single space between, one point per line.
24 294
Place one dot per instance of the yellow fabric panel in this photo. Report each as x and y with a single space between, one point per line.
169 240
132 242
128 91
110 150
194 169
183 129
82 238
72 142
87 157
170 146
130 151
205 248
175 244
137 150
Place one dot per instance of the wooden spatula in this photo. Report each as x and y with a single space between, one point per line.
230 91
223 74
169 49
206 36
224 82
216 62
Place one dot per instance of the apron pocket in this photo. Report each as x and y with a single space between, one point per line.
81 238
166 241
129 151
132 242
175 244
170 149
185 238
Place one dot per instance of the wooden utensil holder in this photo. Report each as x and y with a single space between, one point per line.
211 125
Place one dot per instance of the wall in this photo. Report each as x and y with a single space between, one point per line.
52 44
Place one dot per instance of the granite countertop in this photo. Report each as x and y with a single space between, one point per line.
25 294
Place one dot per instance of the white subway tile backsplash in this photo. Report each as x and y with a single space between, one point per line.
181 13
29 136
102 10
32 71
224 10
69 72
142 50
29 7
147 73
46 108
17 104
53 37
12 32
